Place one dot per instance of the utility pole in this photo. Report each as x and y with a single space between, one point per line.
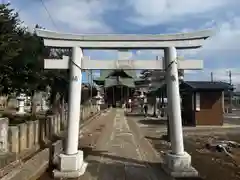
230 77
155 97
230 91
91 78
211 76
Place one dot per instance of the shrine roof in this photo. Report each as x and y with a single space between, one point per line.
107 73
195 86
208 85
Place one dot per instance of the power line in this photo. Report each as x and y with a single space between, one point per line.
49 15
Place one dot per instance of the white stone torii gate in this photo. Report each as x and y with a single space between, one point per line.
177 162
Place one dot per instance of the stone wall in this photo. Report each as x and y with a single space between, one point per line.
3 135
87 111
3 101
30 136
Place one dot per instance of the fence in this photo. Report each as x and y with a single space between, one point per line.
21 140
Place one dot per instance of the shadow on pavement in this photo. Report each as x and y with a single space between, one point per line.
150 121
134 114
163 137
114 167
232 120
190 178
89 151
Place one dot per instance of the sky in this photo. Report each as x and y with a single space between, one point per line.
220 53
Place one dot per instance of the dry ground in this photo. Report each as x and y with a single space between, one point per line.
211 164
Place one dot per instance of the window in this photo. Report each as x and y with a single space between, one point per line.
197 96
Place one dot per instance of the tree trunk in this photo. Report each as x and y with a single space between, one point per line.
55 100
154 107
62 113
56 104
52 96
33 104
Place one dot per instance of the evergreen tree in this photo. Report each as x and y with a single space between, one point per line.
10 48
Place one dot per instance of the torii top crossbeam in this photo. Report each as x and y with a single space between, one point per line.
123 41
189 40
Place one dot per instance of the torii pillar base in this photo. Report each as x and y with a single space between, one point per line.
70 166
179 166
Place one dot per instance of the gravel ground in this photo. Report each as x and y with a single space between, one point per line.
211 164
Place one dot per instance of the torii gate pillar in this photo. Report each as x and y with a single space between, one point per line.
177 162
71 163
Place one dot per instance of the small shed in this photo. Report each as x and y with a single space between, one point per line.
203 102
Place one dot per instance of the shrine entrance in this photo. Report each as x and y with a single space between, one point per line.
177 162
116 96
118 84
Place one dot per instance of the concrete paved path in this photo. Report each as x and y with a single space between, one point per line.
122 153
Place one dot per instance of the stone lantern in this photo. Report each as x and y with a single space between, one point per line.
21 104
99 99
181 75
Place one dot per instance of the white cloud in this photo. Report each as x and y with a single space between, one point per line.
72 15
221 74
224 45
220 53
228 36
87 16
225 41
222 50
154 12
